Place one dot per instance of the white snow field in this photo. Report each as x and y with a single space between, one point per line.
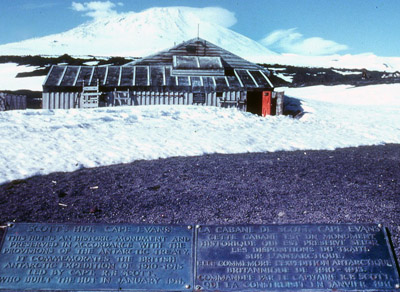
9 81
43 141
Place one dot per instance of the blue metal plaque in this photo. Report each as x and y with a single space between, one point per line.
107 257
98 257
343 257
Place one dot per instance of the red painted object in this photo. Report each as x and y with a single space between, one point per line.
266 103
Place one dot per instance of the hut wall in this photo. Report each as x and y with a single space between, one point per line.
67 100
60 100
232 99
162 98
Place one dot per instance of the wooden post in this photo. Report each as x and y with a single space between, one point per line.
45 100
279 102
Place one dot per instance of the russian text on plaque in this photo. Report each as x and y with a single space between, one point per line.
343 257
97 257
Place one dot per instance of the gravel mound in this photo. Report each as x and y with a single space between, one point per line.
351 185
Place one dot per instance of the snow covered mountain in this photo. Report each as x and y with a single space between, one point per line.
144 33
139 34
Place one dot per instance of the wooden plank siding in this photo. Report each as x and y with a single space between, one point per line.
10 101
67 100
59 100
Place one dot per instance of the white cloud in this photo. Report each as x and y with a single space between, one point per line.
291 41
216 15
96 9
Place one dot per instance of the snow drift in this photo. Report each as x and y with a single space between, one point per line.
43 141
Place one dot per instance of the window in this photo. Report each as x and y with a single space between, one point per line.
191 49
199 97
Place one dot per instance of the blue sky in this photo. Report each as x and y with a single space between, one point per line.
295 26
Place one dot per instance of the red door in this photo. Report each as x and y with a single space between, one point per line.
266 103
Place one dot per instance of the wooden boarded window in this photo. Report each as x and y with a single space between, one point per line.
199 97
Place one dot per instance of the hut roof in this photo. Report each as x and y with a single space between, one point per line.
195 65
200 48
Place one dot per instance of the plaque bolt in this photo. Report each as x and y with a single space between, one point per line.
397 286
10 225
187 286
380 225
198 287
197 226
189 227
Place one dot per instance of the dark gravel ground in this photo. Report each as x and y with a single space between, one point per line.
352 185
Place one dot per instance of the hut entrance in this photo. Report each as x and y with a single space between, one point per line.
266 103
90 96
259 103
254 102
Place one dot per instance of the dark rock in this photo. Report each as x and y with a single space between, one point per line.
62 194
154 188
94 210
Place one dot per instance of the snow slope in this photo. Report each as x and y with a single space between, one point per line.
361 61
9 81
138 35
42 141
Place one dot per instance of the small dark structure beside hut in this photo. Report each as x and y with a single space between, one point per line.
193 72
10 101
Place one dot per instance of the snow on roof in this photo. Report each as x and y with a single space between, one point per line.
194 59
198 47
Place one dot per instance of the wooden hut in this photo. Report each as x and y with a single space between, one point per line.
193 72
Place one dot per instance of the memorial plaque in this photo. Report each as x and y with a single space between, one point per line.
343 257
97 257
